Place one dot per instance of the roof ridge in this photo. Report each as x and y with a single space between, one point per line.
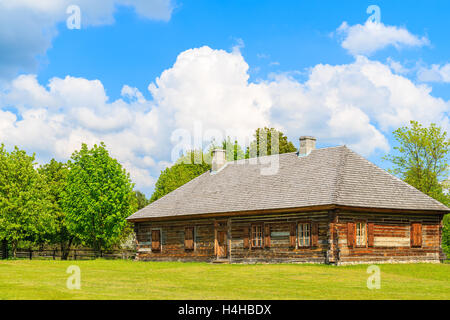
279 154
244 160
340 174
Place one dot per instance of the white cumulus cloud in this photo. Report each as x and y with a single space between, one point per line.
356 104
27 27
211 87
372 36
436 73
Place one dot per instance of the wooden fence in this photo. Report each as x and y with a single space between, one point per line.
75 254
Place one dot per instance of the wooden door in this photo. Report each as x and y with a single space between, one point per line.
221 244
156 240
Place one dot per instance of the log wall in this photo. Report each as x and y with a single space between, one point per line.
391 239
280 249
172 241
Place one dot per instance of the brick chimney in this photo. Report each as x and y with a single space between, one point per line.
218 159
307 144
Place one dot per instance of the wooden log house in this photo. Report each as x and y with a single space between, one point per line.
325 205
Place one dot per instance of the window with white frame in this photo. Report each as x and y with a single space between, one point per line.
304 234
257 236
361 234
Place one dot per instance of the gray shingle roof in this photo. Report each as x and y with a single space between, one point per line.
329 176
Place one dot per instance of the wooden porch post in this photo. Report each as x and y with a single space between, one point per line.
333 241
215 239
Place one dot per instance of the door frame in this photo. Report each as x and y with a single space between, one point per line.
224 245
220 226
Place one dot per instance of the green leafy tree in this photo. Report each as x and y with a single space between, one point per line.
446 222
128 237
55 175
98 197
141 200
196 156
421 159
262 144
186 168
24 201
233 150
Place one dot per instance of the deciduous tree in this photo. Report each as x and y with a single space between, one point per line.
141 200
233 149
184 170
98 197
269 141
24 200
421 159
55 175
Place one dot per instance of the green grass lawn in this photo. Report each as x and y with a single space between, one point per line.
119 279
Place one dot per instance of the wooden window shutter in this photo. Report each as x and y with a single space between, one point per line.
267 236
246 233
370 234
189 238
351 234
419 234
416 234
314 234
156 240
293 235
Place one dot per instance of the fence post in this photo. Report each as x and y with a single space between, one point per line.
75 254
54 254
31 254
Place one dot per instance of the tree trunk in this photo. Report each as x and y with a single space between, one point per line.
14 248
4 249
65 250
97 250
65 255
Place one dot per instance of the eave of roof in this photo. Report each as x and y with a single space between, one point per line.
321 208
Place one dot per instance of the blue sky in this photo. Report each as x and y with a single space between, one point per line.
295 34
302 66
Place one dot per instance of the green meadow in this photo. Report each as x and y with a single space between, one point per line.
121 279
